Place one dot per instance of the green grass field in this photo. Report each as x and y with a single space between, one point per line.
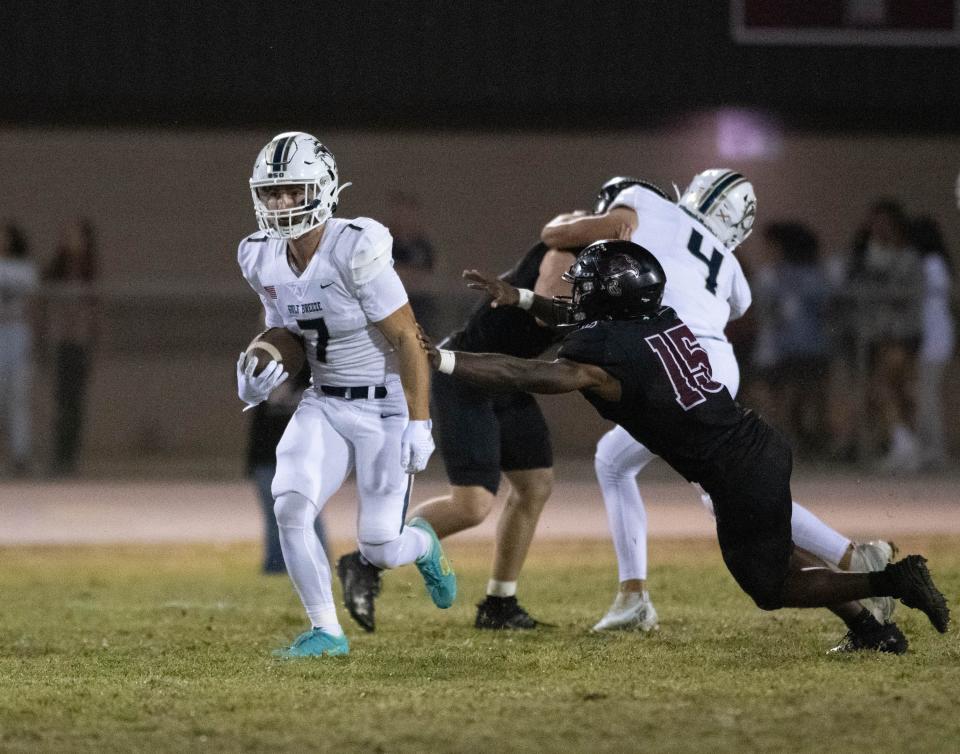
168 648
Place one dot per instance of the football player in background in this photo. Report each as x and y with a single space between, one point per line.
642 367
332 282
507 434
694 239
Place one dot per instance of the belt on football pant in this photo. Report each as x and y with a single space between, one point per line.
355 393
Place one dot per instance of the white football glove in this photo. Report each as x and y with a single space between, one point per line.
416 445
255 389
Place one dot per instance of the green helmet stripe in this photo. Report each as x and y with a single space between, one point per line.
725 183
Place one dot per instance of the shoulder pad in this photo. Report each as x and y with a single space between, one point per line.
373 251
249 250
638 198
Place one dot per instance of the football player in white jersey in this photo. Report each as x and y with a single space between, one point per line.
694 240
332 282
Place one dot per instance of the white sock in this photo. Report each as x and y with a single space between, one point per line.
306 561
501 588
812 535
325 618
413 543
625 600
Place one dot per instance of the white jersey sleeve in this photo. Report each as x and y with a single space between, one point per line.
248 257
740 295
382 296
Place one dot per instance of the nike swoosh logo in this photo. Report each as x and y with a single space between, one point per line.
389 416
325 286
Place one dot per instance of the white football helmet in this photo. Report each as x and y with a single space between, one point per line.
295 158
723 200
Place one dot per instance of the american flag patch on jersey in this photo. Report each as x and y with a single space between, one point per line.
271 291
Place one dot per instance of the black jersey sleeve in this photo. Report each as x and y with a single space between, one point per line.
597 343
587 345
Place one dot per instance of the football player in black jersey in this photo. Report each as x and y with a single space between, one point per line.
640 366
508 435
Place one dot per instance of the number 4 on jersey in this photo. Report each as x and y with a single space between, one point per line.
713 263
686 364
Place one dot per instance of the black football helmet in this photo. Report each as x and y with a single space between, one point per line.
612 188
614 280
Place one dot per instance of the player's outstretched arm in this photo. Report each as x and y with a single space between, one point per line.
549 311
501 372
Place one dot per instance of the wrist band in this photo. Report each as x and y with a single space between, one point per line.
447 361
526 298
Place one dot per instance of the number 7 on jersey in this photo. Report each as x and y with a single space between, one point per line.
323 334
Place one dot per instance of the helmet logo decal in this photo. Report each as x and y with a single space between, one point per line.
749 215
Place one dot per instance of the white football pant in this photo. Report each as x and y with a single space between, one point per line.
619 458
326 438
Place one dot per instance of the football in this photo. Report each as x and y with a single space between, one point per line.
278 344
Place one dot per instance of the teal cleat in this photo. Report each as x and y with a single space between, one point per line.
438 576
315 643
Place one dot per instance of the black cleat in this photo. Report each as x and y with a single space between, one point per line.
503 613
361 585
915 588
887 638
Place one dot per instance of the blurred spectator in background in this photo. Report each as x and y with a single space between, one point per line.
18 283
413 255
72 329
412 250
270 419
886 281
937 344
791 349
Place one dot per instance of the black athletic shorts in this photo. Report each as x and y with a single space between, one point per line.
481 434
754 506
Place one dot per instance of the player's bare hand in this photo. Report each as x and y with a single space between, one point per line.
427 345
624 232
501 291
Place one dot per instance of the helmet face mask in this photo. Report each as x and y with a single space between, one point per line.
614 280
299 163
724 201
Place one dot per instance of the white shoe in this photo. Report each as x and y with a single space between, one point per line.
630 611
874 556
